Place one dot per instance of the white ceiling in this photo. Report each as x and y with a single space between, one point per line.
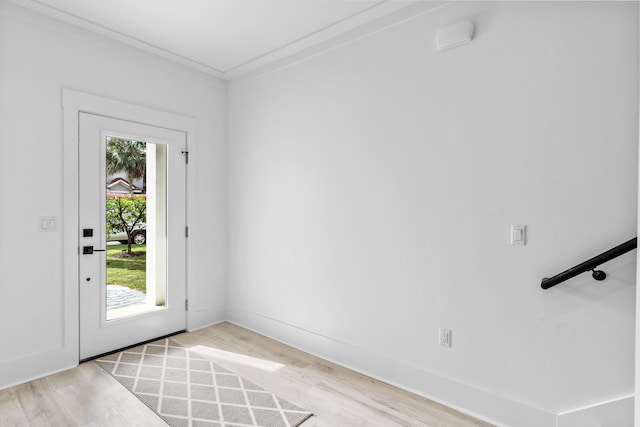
225 38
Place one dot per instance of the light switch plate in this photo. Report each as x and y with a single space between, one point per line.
518 234
47 223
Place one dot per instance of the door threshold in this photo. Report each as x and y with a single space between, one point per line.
88 359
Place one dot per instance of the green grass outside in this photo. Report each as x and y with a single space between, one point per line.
129 272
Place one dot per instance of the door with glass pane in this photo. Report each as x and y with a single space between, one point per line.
132 233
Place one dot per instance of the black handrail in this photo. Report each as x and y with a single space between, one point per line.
591 265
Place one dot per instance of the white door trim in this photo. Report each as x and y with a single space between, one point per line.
74 102
637 370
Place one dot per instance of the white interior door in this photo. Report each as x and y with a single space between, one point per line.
116 308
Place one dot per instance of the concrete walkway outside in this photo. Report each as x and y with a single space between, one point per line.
121 296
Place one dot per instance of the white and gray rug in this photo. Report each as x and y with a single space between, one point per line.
188 390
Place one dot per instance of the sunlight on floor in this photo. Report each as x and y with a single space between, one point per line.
227 356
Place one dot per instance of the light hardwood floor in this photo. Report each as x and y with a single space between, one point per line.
338 397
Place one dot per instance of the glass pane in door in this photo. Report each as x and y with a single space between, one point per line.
136 227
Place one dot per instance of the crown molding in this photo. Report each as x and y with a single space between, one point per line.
410 11
309 41
52 12
372 19
15 9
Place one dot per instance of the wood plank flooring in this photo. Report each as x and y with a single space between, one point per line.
338 397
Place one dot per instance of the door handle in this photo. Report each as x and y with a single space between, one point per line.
88 250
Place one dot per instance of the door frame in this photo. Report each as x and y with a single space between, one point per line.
73 103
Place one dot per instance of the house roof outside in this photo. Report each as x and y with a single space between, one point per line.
121 186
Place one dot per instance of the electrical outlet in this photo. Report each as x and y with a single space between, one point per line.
444 337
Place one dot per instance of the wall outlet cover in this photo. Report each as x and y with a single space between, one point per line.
444 337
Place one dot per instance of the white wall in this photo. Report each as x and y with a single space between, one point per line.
38 58
372 187
371 190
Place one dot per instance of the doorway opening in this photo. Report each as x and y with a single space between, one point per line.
88 121
132 182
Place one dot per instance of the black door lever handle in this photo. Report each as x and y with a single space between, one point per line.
88 250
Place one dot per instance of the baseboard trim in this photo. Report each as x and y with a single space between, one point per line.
480 404
23 368
614 412
35 376
31 366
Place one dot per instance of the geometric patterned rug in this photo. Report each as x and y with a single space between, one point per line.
187 390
